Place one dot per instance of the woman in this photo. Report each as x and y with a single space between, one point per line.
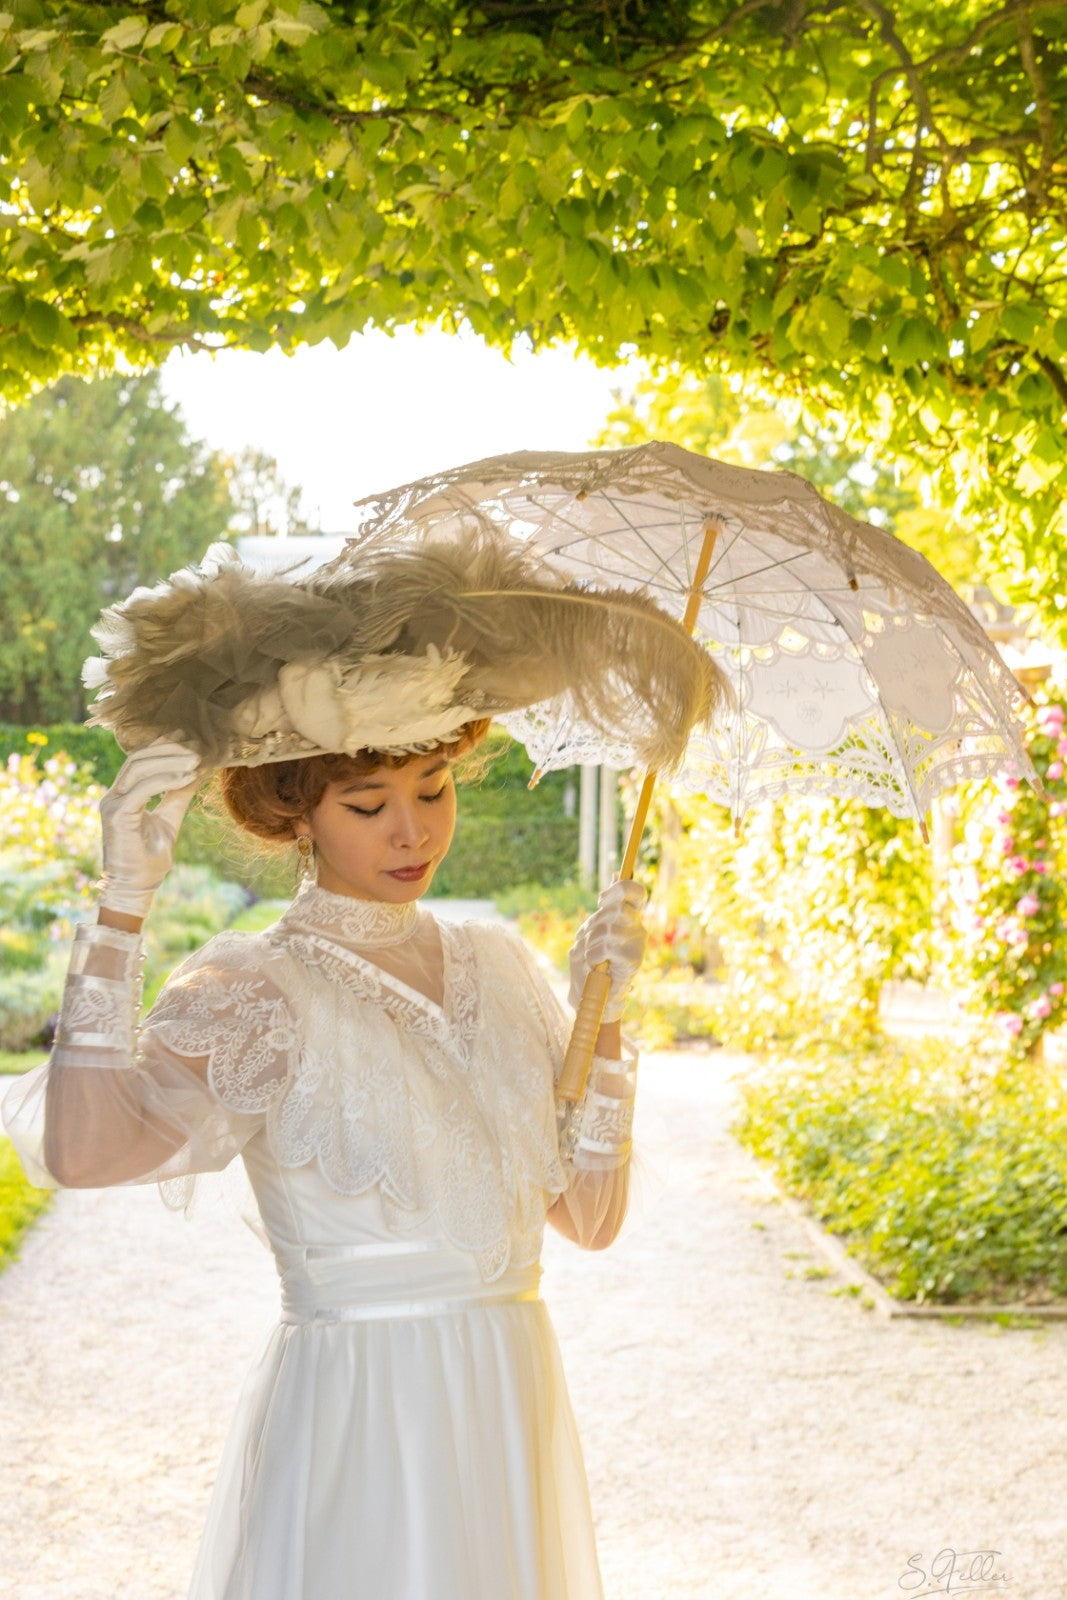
388 1081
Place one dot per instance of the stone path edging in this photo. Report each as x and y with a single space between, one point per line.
880 1298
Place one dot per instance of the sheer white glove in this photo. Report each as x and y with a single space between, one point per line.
615 934
138 843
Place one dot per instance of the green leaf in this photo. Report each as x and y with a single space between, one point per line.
48 327
164 36
180 139
1021 322
125 35
983 328
297 30
248 234
36 38
692 291
115 99
894 271
822 324
577 120
154 179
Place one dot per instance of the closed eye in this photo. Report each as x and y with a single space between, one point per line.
428 799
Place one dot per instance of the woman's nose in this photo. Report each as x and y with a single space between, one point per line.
410 827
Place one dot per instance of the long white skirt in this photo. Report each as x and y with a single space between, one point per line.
431 1456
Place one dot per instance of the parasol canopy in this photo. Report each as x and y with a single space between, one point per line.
855 668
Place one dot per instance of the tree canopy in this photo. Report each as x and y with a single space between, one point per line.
100 489
859 201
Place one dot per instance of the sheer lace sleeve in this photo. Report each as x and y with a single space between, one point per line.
117 1103
594 1134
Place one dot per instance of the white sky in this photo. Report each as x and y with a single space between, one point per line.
353 422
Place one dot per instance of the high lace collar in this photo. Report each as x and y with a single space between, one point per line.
365 924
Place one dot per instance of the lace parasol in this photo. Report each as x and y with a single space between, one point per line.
856 669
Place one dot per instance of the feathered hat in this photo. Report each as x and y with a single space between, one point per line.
391 649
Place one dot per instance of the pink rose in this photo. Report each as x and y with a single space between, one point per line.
1051 713
1019 865
1055 988
1011 1024
1040 1008
1028 906
1055 769
1058 808
1040 867
1061 748
1010 783
1008 845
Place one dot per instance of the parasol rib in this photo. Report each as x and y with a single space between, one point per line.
579 1058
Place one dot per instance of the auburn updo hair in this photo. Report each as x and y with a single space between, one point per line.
266 800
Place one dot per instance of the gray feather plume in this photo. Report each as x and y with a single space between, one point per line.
181 659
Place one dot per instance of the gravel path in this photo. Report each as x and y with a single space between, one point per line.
749 1430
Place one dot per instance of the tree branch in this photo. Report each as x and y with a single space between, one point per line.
1042 103
1055 375
136 330
265 88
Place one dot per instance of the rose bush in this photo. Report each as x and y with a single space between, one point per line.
1005 898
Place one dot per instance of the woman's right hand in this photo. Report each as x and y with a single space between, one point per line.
138 843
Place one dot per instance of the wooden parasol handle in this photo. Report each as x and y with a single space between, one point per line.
587 1024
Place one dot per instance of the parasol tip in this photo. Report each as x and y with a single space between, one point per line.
737 827
924 832
539 773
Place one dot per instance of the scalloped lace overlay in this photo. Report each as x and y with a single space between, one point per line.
448 1109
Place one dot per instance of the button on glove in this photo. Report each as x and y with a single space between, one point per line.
615 934
138 843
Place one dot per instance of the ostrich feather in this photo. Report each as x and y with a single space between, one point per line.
206 656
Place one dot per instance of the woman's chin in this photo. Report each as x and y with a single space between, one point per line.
400 891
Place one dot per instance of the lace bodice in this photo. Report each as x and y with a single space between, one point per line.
384 1053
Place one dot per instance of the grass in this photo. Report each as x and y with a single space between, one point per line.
264 914
20 1203
14 1062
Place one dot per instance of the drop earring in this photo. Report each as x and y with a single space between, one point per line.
306 852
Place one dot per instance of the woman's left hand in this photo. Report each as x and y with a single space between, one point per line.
616 934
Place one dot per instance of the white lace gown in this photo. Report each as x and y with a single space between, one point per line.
406 1433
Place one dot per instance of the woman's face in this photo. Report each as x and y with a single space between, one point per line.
382 835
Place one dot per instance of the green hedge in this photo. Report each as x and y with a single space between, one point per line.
92 747
948 1181
29 1000
507 834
